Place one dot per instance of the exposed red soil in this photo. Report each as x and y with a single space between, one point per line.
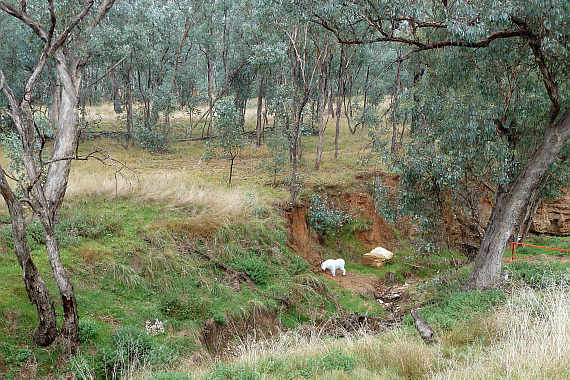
306 243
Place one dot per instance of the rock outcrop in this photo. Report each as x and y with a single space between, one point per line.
553 217
377 258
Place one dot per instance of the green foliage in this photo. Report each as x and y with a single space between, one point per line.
16 355
188 306
254 266
73 227
170 376
278 159
337 360
259 209
323 218
13 151
131 343
224 371
220 318
543 275
150 139
297 264
229 140
88 330
164 101
452 306
131 348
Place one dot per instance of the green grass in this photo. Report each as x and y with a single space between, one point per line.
547 242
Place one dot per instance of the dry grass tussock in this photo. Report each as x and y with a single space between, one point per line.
175 189
535 341
392 355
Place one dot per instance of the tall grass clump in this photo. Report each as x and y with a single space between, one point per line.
308 355
534 341
131 353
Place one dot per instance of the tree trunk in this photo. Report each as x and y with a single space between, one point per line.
510 203
259 108
231 170
48 198
36 289
54 109
116 97
129 106
394 147
70 325
320 145
339 101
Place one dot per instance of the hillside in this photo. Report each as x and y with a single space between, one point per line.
232 274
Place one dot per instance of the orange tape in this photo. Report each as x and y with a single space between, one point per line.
514 249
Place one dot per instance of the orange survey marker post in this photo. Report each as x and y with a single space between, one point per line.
514 249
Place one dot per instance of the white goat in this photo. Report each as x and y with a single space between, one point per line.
333 265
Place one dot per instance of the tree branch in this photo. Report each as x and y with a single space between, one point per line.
63 36
547 77
26 19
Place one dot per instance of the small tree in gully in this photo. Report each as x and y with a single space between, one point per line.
228 142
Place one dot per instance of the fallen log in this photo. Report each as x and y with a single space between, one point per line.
425 330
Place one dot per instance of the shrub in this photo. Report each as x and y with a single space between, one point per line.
16 355
193 307
130 348
337 361
540 275
82 369
88 330
224 371
151 140
254 266
323 219
131 342
220 318
298 265
459 306
161 354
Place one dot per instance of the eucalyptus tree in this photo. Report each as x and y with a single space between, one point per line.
228 142
504 65
63 29
295 79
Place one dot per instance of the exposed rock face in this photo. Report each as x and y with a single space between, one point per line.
377 258
379 232
306 243
553 217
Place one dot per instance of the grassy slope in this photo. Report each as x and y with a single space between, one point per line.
132 248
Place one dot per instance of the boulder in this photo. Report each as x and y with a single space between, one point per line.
377 258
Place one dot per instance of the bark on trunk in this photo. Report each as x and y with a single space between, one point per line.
259 108
116 96
67 134
394 147
38 294
510 203
339 102
70 325
129 105
54 108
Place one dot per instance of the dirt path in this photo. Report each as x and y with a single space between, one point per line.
356 283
